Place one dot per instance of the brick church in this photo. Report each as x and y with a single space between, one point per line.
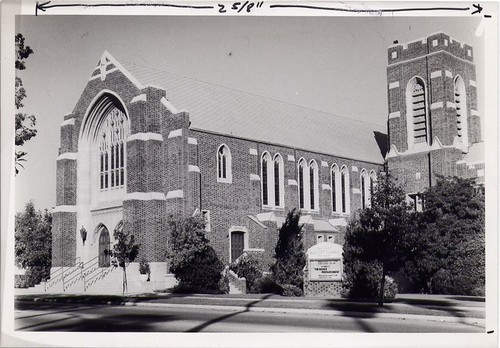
142 144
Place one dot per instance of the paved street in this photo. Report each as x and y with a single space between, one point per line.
43 316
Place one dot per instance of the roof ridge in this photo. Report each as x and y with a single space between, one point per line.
250 93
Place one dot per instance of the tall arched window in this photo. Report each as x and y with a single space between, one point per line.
344 187
335 185
373 182
266 175
461 109
112 135
313 186
416 109
279 178
302 190
224 173
364 188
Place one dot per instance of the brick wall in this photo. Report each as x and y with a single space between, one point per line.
63 239
320 289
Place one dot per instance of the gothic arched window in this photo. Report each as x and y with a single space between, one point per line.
112 136
335 185
461 110
344 188
279 178
224 173
313 186
416 108
302 190
266 175
364 188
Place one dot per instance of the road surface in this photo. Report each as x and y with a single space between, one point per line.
40 316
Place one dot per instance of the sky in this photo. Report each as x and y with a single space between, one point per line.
332 64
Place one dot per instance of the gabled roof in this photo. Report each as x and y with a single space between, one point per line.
228 111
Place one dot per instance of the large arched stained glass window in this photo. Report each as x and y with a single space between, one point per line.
112 136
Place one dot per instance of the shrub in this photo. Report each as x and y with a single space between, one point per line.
144 268
289 253
267 285
291 291
248 266
362 281
192 260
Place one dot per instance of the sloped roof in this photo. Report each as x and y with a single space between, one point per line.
228 111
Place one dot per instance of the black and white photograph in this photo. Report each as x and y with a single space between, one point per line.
272 173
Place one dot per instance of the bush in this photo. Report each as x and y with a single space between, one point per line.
289 253
267 285
362 281
291 291
192 260
144 268
248 266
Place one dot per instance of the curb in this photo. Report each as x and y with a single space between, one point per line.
298 311
326 312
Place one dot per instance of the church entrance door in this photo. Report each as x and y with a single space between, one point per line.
237 245
104 247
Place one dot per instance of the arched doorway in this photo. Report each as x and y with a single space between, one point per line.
104 247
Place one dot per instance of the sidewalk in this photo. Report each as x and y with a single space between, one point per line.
449 308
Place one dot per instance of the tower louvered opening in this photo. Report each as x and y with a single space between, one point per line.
419 112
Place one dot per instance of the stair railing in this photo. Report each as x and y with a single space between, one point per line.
90 278
58 276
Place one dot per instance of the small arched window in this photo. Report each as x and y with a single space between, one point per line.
335 185
266 175
302 189
313 186
279 178
224 173
344 188
416 108
461 110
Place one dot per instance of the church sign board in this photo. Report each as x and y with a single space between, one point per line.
325 262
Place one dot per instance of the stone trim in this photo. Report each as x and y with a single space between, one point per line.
254 177
325 187
448 74
138 98
253 152
394 84
192 141
437 73
474 112
292 182
145 137
290 158
395 114
192 168
324 164
437 105
451 105
472 83
67 155
65 209
144 196
175 133
175 194
354 168
69 121
356 191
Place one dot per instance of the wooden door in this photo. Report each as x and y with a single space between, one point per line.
104 246
237 245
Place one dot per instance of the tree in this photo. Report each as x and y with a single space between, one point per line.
24 123
450 254
381 237
125 251
288 269
192 260
33 243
